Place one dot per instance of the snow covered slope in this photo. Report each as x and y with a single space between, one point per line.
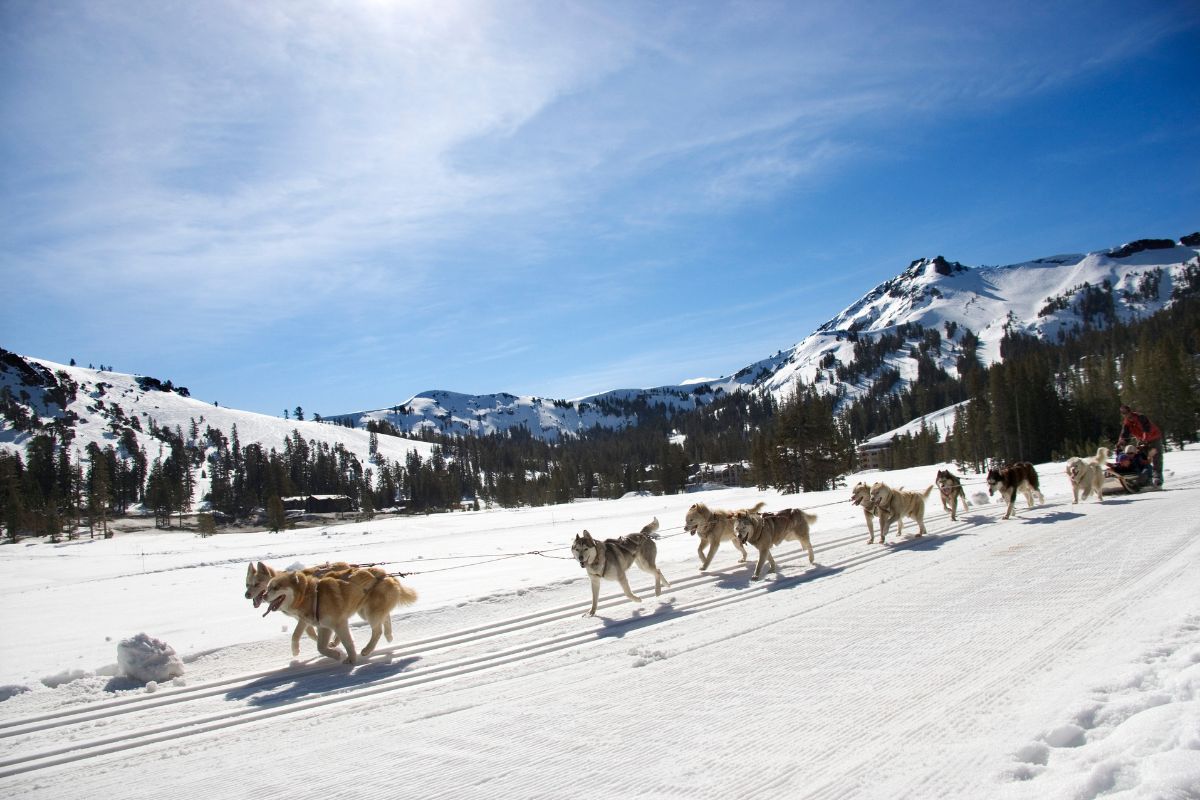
1054 655
1046 297
1041 298
99 406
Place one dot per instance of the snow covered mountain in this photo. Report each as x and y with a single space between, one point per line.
1048 297
89 405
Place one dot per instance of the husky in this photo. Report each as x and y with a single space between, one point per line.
257 578
1018 477
327 603
860 495
1087 476
951 490
764 531
896 504
713 526
612 558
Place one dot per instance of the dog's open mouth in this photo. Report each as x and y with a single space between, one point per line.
275 604
258 598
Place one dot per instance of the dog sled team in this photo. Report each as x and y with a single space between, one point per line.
323 599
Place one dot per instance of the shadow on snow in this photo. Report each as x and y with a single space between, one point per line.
280 688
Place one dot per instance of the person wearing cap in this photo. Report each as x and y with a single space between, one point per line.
1134 462
1135 425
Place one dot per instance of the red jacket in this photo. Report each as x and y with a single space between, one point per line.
1140 427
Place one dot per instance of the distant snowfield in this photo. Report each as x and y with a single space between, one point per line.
1054 655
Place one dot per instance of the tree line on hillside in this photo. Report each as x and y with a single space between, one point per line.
1045 400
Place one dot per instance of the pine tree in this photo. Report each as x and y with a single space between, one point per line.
276 516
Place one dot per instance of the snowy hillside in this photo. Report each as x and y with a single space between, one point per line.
1041 298
1051 656
99 406
482 415
1047 297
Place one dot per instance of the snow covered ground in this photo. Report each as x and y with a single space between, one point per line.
1054 655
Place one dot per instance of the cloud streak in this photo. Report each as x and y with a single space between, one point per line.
258 163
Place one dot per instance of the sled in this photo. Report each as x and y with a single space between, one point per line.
1117 481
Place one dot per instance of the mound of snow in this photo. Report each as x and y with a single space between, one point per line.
146 659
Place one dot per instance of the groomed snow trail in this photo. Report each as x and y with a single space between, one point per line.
928 668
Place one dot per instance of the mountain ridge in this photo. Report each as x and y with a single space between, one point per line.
1045 297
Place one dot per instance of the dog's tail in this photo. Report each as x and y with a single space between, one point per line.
1101 455
408 595
809 518
927 491
650 528
757 506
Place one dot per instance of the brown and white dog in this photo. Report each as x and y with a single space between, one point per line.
1087 475
1018 477
896 504
713 526
951 490
765 531
860 495
258 577
328 602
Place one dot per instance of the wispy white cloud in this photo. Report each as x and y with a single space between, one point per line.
257 163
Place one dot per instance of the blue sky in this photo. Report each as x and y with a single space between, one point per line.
338 205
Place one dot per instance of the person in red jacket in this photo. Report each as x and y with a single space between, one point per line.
1135 425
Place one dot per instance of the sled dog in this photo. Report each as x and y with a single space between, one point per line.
896 504
860 495
713 526
612 558
951 490
327 603
257 578
1018 477
766 530
1087 475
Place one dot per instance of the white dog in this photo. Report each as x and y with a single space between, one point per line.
895 504
1087 475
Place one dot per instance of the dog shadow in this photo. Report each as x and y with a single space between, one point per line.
281 688
1052 517
926 543
813 573
744 579
617 627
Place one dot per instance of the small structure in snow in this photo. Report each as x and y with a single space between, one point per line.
144 658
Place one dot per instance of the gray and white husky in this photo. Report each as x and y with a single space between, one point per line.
612 558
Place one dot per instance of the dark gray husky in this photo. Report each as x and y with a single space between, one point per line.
612 558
